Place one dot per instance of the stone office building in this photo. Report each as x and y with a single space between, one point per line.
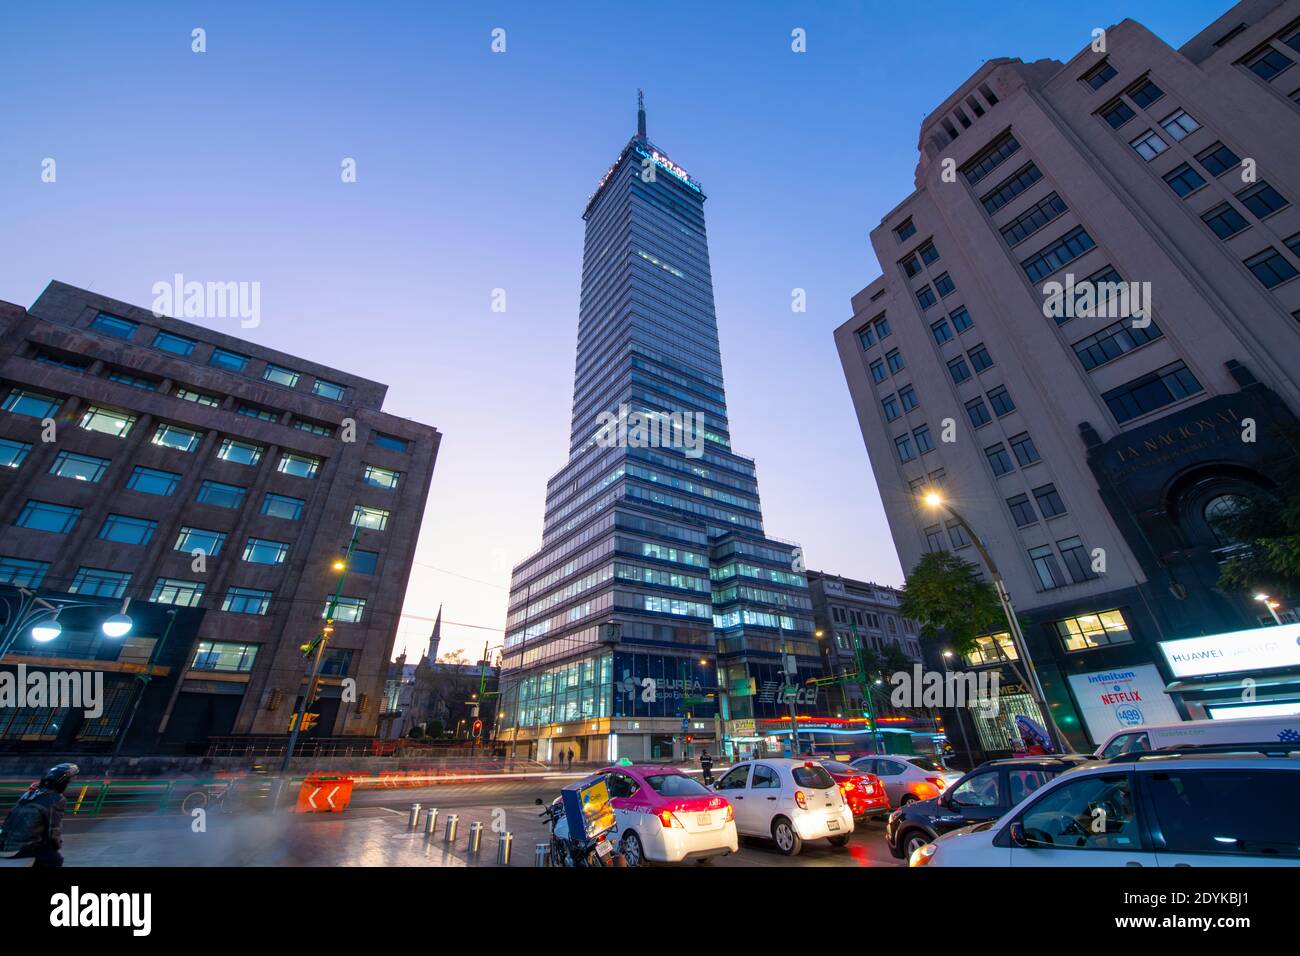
174 467
1089 440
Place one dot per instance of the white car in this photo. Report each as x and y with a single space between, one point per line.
909 777
1140 810
789 801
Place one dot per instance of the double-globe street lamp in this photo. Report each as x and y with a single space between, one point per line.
934 500
39 616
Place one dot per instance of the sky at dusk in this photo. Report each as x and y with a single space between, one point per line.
473 168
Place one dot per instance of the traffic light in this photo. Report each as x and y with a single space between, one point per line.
478 727
689 738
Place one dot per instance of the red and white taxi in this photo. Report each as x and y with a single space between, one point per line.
664 816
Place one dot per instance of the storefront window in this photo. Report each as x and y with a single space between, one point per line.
991 649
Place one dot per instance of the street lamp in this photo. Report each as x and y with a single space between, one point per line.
40 618
1271 605
935 500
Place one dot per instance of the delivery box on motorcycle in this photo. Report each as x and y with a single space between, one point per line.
587 808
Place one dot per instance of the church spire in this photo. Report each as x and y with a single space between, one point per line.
436 637
640 113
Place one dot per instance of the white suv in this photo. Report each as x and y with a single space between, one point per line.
788 801
1176 808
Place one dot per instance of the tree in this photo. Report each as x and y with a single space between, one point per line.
1266 527
944 593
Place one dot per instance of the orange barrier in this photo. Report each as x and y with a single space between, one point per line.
324 794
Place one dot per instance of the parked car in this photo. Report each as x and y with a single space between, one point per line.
665 816
788 801
986 793
1171 808
1244 730
865 794
909 777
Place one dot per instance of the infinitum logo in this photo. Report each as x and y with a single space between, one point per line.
76 909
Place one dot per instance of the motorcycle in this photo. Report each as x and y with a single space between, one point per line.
579 851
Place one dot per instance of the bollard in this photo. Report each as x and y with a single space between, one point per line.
430 822
504 845
453 824
475 837
413 817
540 853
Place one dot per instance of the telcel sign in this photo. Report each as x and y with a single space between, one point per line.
1260 648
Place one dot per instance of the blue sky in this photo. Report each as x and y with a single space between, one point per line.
472 172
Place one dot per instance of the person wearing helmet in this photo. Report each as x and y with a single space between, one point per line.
34 827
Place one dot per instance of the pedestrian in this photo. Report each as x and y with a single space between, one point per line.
570 758
34 827
706 764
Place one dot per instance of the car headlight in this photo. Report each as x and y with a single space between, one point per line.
922 855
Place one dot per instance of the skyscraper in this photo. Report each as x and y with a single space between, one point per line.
656 608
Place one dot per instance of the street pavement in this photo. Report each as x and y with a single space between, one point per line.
373 831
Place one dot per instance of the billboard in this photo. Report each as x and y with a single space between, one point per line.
1123 697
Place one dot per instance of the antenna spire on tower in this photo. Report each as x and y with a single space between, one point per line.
640 113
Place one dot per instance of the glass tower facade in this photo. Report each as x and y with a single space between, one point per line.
656 607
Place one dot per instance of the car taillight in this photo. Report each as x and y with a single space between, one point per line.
800 800
938 782
730 815
669 820
846 786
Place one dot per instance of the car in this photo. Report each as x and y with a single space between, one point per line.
985 793
789 801
909 777
1241 730
665 816
1200 806
865 794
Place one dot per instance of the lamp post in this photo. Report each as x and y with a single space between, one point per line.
41 616
1271 605
144 686
961 724
934 500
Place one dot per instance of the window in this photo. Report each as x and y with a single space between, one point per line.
315 428
113 325
1145 93
1293 243
391 442
961 320
381 477
941 331
1093 630
911 266
69 464
135 381
980 358
96 582
1218 159
300 466
924 442
890 405
957 535
882 328
1052 821
13 453
894 359
878 373
1262 200
1268 63
127 530
1184 180
1001 401
978 412
1117 114
62 361
999 460
245 601
151 481
945 285
177 591
1033 219
867 336
1076 558
1046 567
1188 803
46 516
220 495
363 562
1099 75
198 398
929 253
1113 341
225 656
239 452
1270 267
903 445
1010 188
934 539
106 421
1179 125
173 436
279 375
1224 220
176 344
992 157
1069 247
328 390
264 551
905 230
959 370
907 395
1149 145
282 506
38 406
376 519
1023 446
1022 512
232 361
1049 501
926 297
347 610
22 573
200 539
256 411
